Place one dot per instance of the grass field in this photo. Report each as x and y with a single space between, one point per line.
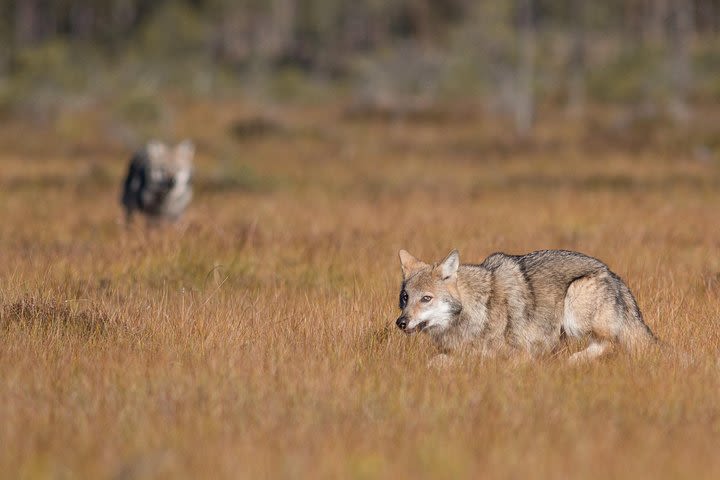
256 338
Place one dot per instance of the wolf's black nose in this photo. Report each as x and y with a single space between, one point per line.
401 323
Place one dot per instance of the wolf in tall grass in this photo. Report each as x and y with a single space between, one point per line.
526 304
158 181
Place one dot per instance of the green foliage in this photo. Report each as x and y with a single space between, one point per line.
409 51
231 177
140 108
175 30
634 75
706 66
41 75
293 85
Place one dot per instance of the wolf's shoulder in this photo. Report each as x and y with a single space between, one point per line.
497 260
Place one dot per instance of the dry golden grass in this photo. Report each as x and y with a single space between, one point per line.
256 339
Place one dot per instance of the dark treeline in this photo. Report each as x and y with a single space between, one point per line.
308 31
516 52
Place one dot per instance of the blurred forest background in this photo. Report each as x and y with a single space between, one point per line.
655 58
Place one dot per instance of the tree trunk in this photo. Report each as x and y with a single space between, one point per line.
26 22
576 86
681 29
525 77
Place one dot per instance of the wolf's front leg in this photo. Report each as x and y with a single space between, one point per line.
440 361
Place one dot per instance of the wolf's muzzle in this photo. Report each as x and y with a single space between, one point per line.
401 323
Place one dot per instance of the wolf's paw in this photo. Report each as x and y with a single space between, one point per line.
440 362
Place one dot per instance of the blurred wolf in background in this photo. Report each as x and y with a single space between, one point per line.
520 304
158 181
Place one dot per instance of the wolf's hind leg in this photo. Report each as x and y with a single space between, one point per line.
587 314
596 349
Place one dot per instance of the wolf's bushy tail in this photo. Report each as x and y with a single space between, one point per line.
636 334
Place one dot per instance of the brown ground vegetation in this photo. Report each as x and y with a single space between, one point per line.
255 339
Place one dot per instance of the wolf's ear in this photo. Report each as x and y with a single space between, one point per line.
448 267
409 263
184 153
156 150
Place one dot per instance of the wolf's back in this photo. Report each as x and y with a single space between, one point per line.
546 268
542 278
560 267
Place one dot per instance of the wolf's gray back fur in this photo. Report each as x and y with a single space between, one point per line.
528 302
158 181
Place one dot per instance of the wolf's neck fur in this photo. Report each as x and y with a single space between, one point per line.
474 285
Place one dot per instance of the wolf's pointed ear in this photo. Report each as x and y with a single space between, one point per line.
449 267
156 150
409 263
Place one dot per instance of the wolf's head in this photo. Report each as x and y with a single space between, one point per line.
168 168
429 297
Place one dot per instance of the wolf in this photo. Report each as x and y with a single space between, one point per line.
520 304
158 181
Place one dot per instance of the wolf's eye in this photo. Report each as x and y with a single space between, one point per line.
426 298
403 299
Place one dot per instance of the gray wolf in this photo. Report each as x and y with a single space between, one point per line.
158 181
525 304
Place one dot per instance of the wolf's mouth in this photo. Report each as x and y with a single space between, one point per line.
418 328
